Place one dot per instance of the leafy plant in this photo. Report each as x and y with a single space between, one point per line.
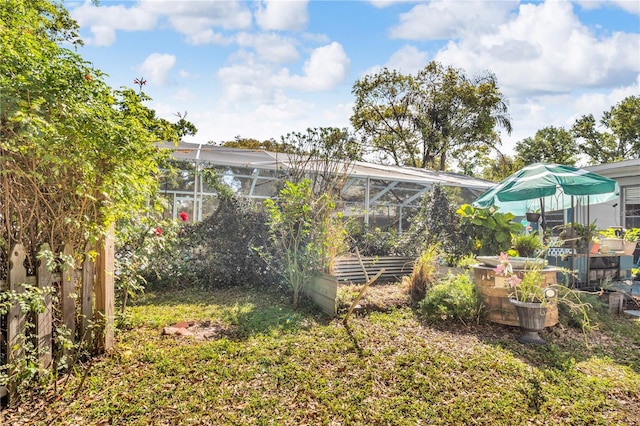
632 235
298 225
529 285
490 230
455 298
436 223
425 272
526 244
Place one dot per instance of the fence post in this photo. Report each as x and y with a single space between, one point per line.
68 285
44 320
105 289
16 319
88 277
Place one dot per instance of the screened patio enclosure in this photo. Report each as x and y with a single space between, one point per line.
377 194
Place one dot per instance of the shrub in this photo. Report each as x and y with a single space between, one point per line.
222 248
424 274
490 230
371 241
436 223
454 298
298 227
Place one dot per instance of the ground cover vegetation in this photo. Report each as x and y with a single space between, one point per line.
270 364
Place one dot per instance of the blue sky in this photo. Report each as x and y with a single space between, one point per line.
262 69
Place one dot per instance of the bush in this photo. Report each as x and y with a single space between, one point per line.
222 248
454 298
425 273
436 223
371 241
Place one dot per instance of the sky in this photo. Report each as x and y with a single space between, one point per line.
263 69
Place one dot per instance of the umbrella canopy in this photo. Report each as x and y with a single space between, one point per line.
548 187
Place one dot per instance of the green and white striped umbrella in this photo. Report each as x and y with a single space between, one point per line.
548 187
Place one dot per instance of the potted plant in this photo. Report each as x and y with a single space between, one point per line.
526 244
586 234
529 295
533 216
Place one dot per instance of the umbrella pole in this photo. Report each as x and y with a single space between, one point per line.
573 244
588 247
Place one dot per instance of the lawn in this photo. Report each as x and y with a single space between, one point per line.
263 363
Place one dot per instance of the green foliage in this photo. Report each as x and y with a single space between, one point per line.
425 272
491 231
221 250
549 145
76 154
428 119
454 298
620 139
298 223
371 241
270 364
145 249
499 168
436 223
527 244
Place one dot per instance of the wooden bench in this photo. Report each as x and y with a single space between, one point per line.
349 270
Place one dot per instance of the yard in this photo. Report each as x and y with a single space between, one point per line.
257 361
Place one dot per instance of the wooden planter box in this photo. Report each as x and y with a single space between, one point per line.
494 294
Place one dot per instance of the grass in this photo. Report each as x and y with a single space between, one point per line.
273 365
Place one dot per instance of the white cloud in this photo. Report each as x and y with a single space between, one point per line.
194 19
408 60
104 21
246 80
546 49
191 17
184 94
270 47
631 6
439 20
155 68
380 4
186 75
326 68
281 15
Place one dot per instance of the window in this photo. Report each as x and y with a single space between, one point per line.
631 197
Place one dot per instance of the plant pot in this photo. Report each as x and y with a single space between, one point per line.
533 217
629 247
531 316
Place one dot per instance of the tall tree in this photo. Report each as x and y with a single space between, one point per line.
549 145
248 143
496 169
619 138
325 153
74 153
428 119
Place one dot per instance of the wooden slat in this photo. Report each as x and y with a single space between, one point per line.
44 319
16 318
350 269
68 285
88 277
105 290
323 290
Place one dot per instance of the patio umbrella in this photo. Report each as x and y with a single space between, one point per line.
549 187
541 186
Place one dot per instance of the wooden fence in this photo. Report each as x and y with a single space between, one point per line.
85 294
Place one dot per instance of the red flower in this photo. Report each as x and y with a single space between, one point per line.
184 216
88 77
158 231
